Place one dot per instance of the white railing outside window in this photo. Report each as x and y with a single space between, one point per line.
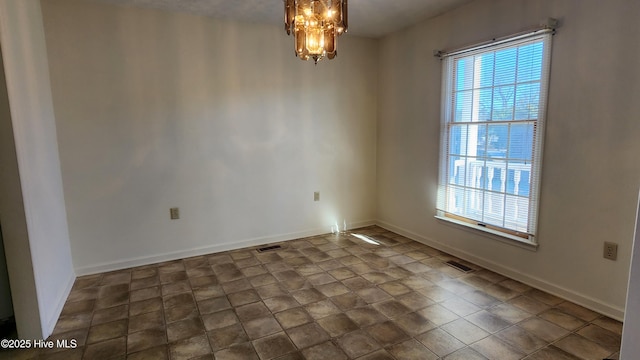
483 197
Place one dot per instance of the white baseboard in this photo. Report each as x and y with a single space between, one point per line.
588 302
50 323
232 245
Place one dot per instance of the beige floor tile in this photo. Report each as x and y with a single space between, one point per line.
348 301
184 329
338 325
173 300
561 319
411 350
216 304
492 348
466 354
521 339
582 348
155 353
145 339
377 355
357 343
150 320
365 316
219 319
605 338
544 297
391 308
460 306
252 311
438 314
321 309
293 317
179 312
72 322
244 351
333 289
435 292
414 324
387 333
357 283
273 346
552 353
373 295
414 300
487 321
207 292
509 313
261 327
529 304
280 303
325 297
142 307
440 342
189 348
501 292
269 291
227 336
244 297
515 285
175 288
106 349
609 324
236 286
78 307
577 311
543 329
464 331
307 335
326 350
307 296
107 331
481 299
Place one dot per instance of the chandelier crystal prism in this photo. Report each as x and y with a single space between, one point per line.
316 25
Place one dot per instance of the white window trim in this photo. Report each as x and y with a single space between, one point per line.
490 233
446 113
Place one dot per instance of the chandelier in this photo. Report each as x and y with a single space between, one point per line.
316 25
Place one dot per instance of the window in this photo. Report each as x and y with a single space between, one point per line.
494 100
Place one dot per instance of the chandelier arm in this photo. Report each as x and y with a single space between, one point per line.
345 15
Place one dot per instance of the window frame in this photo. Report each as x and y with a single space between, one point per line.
527 238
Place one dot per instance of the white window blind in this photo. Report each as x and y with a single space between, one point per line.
494 104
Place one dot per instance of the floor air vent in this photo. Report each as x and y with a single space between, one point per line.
457 265
269 248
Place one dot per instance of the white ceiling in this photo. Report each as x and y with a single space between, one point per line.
369 18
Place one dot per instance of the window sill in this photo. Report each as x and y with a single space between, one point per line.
490 233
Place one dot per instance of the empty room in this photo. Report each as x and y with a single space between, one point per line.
407 179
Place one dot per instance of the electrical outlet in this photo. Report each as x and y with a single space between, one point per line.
610 250
316 196
175 213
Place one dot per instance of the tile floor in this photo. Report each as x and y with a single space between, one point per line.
325 297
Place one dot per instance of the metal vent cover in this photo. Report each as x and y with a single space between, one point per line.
458 266
269 248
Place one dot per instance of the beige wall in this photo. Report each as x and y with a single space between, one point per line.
14 226
631 330
158 109
591 171
32 204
